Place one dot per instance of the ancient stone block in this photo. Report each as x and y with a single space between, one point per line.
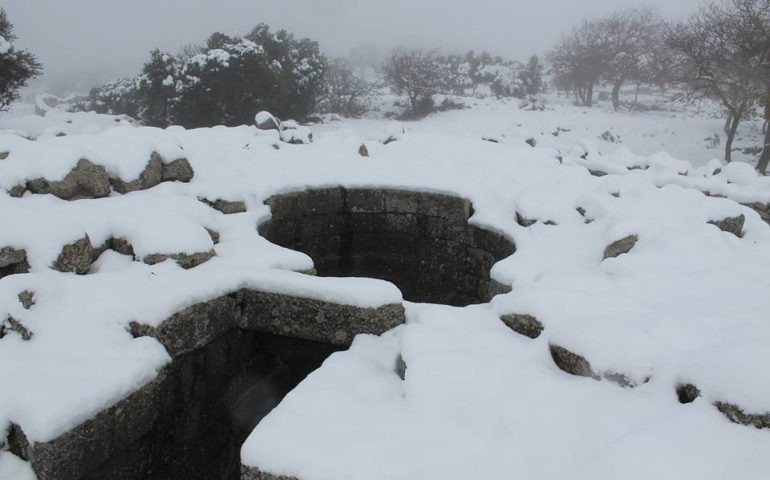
193 327
314 319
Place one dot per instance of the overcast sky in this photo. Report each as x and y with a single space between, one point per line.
85 42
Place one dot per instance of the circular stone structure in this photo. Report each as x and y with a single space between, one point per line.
421 242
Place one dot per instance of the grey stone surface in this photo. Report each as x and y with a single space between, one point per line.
363 151
523 324
86 180
761 208
179 170
12 325
150 177
10 256
225 206
619 247
77 452
401 367
27 299
314 319
13 261
571 363
193 327
76 257
254 473
185 260
17 191
687 392
578 365
737 415
732 225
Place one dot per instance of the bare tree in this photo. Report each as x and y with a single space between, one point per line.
633 41
580 59
414 73
715 55
344 92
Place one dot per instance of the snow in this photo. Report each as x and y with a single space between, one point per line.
687 304
5 46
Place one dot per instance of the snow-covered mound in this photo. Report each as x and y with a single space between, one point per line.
682 300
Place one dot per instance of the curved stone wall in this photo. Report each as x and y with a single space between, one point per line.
421 242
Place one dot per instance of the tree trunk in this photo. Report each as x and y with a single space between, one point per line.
616 93
590 95
764 159
734 121
636 96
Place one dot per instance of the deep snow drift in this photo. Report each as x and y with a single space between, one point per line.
687 304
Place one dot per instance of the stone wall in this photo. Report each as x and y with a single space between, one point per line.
233 360
421 242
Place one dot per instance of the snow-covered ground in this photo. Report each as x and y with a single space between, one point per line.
688 304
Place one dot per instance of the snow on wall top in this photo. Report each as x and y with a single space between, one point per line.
688 303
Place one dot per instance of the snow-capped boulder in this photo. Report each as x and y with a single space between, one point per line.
86 180
298 135
266 121
151 176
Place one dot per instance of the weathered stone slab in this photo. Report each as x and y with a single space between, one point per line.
314 319
193 327
77 452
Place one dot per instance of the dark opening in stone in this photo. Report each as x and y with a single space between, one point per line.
421 242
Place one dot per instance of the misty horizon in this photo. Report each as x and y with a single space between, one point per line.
87 42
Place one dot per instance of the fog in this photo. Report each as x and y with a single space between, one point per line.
85 42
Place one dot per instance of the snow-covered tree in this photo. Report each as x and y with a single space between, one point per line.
156 89
344 91
16 66
416 74
722 53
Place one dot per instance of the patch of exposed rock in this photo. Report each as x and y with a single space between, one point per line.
86 180
225 206
151 176
253 473
687 393
13 261
578 365
76 257
27 299
523 324
737 415
732 225
179 170
13 325
619 247
762 209
184 260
